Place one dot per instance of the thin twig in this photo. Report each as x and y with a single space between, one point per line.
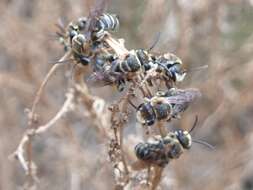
157 177
32 117
19 153
116 46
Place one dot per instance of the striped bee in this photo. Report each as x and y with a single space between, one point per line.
74 39
171 67
166 105
160 150
131 63
167 67
103 73
115 71
105 22
78 44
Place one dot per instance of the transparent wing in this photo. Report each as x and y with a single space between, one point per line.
100 79
183 96
96 10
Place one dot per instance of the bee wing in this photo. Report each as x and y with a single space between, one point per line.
96 10
61 25
98 7
178 99
183 96
100 79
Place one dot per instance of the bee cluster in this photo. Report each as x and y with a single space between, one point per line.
90 42
154 75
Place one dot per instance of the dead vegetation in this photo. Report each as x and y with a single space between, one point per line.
76 137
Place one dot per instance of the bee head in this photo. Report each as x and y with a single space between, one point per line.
178 74
184 138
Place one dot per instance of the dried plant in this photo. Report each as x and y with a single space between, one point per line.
88 42
149 97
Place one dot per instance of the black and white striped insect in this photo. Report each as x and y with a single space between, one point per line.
166 105
105 22
160 150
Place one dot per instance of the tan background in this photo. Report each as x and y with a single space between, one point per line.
215 32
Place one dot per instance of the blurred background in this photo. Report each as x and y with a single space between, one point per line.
218 33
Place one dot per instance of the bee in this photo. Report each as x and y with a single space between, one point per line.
116 70
160 150
145 58
74 28
178 99
131 63
78 47
103 74
72 31
167 67
148 113
104 22
165 105
137 60
171 67
121 70
73 40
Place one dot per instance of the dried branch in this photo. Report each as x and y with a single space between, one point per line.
157 177
117 46
32 117
19 154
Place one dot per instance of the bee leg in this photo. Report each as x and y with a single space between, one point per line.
149 81
168 120
147 129
121 85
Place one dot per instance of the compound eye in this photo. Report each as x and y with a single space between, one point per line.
184 138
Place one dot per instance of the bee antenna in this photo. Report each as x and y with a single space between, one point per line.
197 68
204 143
157 38
60 25
194 124
131 103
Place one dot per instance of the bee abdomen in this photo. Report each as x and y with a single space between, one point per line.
176 151
130 64
108 22
146 114
142 151
152 153
162 111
